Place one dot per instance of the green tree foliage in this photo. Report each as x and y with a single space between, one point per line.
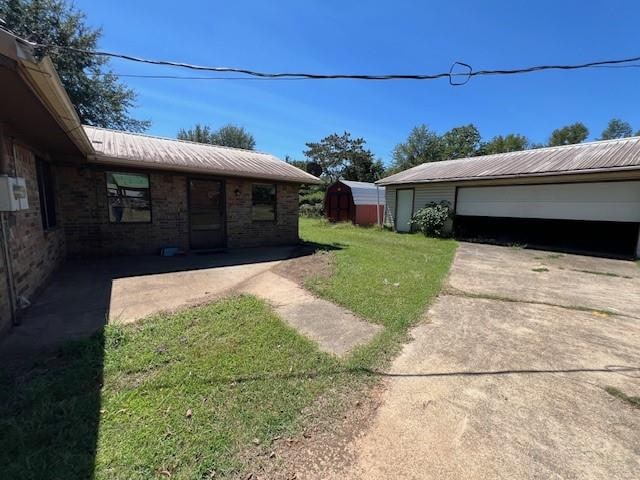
574 133
461 142
363 168
233 136
199 133
96 92
335 153
227 136
501 144
616 128
422 145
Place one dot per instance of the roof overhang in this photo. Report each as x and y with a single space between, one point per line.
161 166
617 171
35 104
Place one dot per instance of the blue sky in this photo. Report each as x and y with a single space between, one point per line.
376 37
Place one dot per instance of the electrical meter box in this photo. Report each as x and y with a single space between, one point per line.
13 194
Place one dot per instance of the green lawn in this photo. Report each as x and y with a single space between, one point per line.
239 370
180 396
386 277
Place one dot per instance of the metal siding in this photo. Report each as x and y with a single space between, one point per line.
434 193
602 201
364 193
143 151
605 155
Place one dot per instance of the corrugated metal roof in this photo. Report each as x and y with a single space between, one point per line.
144 151
604 155
364 193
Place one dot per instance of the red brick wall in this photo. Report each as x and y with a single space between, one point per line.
243 232
83 207
83 203
34 253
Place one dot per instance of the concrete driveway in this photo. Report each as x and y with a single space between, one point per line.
506 377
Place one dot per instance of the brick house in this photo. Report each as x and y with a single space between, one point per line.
80 191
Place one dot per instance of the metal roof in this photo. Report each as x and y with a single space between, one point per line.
364 193
606 155
145 151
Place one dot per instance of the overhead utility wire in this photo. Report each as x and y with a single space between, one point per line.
459 74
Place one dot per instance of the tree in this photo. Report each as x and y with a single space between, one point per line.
336 152
422 145
616 129
227 136
96 92
461 142
363 168
199 133
574 133
511 142
233 136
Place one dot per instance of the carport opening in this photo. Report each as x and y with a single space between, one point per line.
606 239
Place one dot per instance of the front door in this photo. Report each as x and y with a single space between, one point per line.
206 214
404 209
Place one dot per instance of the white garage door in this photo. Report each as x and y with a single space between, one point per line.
606 201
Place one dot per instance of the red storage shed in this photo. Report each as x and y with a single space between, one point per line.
356 202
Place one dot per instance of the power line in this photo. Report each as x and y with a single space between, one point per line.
459 74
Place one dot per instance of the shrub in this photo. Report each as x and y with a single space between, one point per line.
311 210
312 198
432 219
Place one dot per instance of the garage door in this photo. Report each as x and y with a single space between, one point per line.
602 201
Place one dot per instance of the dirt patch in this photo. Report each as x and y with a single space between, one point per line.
320 265
329 426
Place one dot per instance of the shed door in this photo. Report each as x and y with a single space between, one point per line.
339 206
598 201
206 214
404 209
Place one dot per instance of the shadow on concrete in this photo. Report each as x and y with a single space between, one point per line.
50 394
598 239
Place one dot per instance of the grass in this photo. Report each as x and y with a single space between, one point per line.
605 274
633 401
540 269
382 276
177 396
182 396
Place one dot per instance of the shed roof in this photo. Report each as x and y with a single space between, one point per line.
606 155
364 193
145 151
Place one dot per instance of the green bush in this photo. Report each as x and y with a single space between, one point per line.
312 210
312 198
433 219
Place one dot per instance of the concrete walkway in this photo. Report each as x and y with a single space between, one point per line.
501 383
336 330
87 294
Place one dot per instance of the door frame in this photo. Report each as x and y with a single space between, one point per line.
413 206
223 193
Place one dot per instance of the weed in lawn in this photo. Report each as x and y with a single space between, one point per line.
633 401
605 274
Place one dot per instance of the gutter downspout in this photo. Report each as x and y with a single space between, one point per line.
4 240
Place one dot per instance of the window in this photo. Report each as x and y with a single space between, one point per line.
263 198
46 194
128 197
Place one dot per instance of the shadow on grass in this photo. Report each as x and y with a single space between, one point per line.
49 416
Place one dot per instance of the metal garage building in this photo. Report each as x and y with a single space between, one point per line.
584 196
